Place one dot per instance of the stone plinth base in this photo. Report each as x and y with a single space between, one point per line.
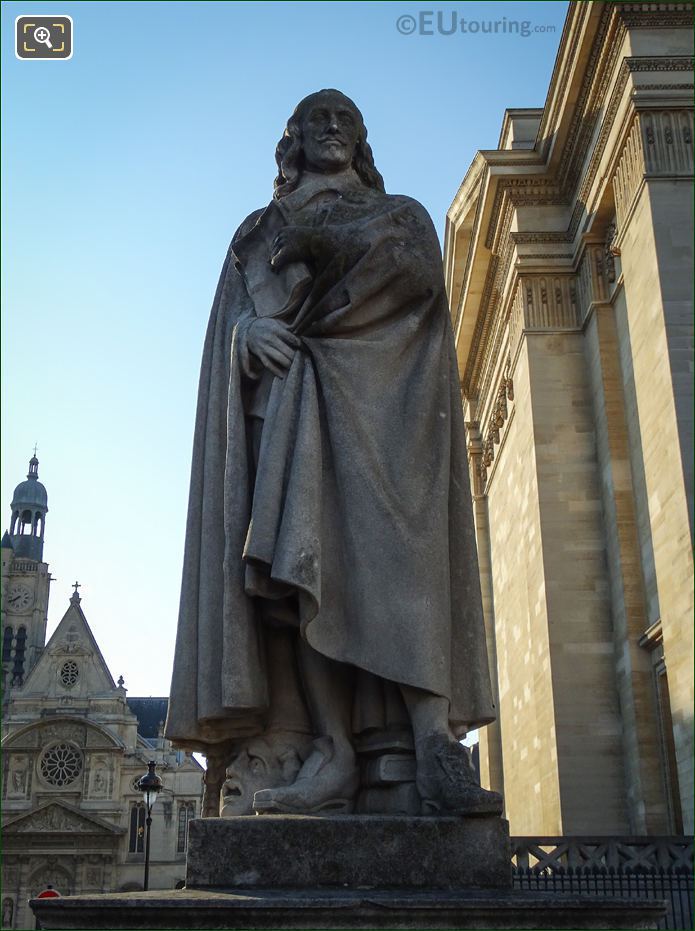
333 909
285 871
352 851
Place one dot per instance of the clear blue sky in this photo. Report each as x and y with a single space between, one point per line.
125 172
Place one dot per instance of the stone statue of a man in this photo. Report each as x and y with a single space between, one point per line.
330 585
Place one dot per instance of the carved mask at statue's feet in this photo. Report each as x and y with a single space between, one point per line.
259 763
327 783
447 782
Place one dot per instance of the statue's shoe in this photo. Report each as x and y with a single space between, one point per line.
447 782
324 784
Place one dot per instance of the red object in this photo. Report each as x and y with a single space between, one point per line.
48 894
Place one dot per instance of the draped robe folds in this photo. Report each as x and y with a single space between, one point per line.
360 504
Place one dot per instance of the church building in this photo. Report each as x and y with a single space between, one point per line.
74 745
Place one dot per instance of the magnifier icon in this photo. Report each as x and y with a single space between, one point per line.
42 35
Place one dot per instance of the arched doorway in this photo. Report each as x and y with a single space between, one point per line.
49 875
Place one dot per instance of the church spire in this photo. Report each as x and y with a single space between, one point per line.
29 509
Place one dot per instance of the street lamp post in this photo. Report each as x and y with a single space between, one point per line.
150 785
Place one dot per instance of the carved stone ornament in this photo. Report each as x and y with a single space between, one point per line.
18 780
61 764
63 731
499 416
55 818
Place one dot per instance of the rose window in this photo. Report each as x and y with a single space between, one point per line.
61 765
69 672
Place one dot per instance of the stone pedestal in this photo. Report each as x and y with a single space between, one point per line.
354 852
284 871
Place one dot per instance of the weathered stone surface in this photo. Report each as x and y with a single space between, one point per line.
328 365
340 909
355 851
389 768
402 798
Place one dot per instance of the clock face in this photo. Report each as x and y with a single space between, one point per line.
19 597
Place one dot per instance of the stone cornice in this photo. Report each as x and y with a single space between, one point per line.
656 15
598 71
468 193
532 188
574 29
582 20
467 186
507 120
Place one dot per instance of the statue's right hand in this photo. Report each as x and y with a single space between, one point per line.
273 344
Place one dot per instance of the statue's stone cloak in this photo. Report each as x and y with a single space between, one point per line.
360 503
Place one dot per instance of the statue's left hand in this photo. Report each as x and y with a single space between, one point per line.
293 244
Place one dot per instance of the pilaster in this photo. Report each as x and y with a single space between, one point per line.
491 764
653 195
645 796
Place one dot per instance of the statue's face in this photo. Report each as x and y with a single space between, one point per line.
330 129
258 765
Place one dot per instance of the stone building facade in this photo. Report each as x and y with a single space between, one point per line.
569 266
74 746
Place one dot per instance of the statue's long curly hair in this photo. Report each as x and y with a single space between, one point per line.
289 153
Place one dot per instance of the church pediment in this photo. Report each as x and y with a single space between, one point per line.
71 666
59 818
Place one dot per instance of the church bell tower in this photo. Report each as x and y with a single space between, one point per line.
25 580
29 509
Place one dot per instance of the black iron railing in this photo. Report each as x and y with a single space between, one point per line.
630 867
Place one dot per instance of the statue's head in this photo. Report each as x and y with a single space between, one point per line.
325 134
266 762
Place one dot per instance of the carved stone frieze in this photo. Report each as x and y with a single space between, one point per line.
548 302
660 143
667 141
63 730
656 15
54 818
688 86
662 63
